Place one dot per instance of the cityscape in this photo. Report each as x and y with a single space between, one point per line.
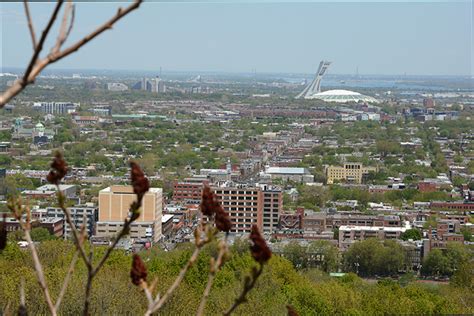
359 185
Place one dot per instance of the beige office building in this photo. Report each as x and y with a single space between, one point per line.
350 172
114 204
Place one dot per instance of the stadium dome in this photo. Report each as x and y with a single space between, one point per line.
342 96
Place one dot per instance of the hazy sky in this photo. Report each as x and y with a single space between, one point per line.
378 37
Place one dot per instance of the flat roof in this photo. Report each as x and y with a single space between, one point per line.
286 170
52 187
166 218
372 228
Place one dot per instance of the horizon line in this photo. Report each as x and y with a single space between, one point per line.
21 69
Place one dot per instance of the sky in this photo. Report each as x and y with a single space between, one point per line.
375 37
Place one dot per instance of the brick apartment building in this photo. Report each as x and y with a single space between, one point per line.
247 205
189 190
453 206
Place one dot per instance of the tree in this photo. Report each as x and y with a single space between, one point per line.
296 254
413 234
18 182
313 196
371 257
464 276
435 264
40 234
326 254
466 233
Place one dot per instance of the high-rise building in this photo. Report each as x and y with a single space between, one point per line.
56 107
78 213
272 208
158 85
189 190
249 205
144 84
114 204
350 172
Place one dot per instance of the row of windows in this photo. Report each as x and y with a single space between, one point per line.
243 214
239 203
237 192
240 198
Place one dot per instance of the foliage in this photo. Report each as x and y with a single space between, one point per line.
371 257
447 262
280 285
413 234
40 234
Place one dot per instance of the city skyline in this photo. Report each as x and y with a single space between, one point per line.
210 37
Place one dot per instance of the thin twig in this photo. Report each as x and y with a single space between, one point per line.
39 272
123 232
66 279
36 66
30 24
160 301
75 234
63 31
215 266
90 277
22 292
73 14
16 207
249 283
71 266
26 77
148 293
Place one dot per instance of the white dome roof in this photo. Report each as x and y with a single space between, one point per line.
338 92
342 96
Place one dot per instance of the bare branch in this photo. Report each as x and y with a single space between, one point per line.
123 232
39 270
30 24
75 234
36 66
71 266
215 266
160 301
249 284
73 14
63 31
26 77
16 207
66 279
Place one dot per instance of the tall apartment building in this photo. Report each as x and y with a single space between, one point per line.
78 212
247 206
350 172
272 208
56 107
114 204
189 190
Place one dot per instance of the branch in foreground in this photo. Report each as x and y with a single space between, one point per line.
215 267
30 24
249 283
36 65
16 208
260 253
158 302
140 185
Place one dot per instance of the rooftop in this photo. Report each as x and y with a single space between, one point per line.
286 170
